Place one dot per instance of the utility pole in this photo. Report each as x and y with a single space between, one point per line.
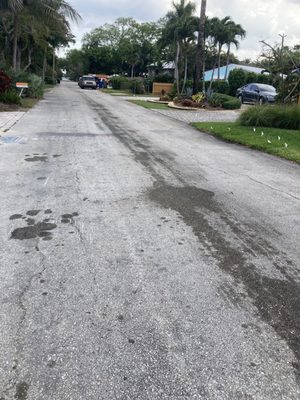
200 50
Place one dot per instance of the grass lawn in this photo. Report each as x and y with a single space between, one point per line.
150 104
114 92
269 142
27 102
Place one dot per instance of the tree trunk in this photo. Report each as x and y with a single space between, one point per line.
212 77
219 60
200 51
44 65
29 59
19 58
227 61
185 73
53 66
15 41
177 66
132 70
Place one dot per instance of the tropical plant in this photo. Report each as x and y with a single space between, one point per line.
200 50
32 24
178 32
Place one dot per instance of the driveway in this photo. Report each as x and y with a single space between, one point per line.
141 259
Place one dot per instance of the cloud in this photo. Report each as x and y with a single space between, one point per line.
263 20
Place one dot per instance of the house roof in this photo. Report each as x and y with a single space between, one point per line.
249 68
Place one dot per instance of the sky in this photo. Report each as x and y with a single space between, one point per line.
262 19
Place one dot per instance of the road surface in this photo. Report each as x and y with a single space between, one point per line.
141 259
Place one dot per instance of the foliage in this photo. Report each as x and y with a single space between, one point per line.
280 59
239 77
219 86
220 100
164 78
198 97
233 104
236 79
30 33
10 97
278 116
75 63
5 82
35 83
126 46
116 82
289 89
269 142
137 86
36 86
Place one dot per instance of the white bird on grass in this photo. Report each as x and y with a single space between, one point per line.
254 129
285 145
269 141
278 137
262 134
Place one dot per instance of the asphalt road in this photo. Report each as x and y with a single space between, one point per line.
141 259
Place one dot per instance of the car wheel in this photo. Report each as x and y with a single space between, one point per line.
261 101
240 97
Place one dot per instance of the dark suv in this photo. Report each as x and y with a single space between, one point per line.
257 93
87 81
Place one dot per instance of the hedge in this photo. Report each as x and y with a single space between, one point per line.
274 116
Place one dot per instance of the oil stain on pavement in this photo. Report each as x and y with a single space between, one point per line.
277 300
38 229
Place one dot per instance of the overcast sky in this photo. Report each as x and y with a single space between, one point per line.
262 19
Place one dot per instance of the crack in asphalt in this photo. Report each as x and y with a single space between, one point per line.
21 388
273 188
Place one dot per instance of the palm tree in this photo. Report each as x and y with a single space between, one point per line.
54 10
233 31
179 30
200 51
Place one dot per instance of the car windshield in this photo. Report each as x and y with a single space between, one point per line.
88 78
267 88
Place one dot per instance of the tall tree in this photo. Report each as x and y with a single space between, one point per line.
45 10
179 30
200 52
233 31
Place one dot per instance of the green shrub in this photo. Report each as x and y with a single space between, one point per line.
125 85
218 99
36 86
35 83
220 86
10 97
137 86
164 78
236 79
225 101
233 104
5 82
148 83
116 82
278 116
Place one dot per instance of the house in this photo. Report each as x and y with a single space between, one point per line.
166 68
231 67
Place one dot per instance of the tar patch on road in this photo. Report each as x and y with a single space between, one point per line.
38 229
276 300
21 391
36 158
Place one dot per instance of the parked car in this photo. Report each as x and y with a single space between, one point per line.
256 93
87 81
